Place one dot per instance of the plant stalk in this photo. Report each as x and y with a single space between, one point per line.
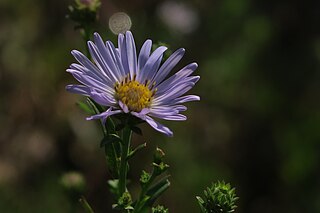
126 139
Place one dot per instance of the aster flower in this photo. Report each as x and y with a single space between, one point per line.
125 82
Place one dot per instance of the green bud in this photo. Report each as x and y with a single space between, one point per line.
145 177
219 198
125 199
159 209
160 168
92 5
124 202
158 156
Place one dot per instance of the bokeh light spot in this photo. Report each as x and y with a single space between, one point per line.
120 23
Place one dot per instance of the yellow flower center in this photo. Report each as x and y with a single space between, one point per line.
134 95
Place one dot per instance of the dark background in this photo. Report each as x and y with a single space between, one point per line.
257 125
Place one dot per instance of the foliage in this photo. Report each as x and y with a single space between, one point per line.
219 198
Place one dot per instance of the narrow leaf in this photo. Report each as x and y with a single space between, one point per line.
133 152
155 191
85 107
85 205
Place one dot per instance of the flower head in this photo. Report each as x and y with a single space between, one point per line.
125 82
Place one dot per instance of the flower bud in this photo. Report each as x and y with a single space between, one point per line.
124 203
145 177
158 156
160 168
159 209
92 5
125 200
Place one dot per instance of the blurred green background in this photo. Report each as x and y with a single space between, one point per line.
257 125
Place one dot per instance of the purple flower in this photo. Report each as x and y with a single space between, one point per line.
127 83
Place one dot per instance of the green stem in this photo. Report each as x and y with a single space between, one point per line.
126 139
138 206
85 205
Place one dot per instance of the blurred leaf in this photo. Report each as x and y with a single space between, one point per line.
85 107
113 186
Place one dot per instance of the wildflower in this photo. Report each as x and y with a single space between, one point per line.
136 85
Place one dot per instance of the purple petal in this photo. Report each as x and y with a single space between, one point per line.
123 107
177 117
163 111
85 62
177 77
151 65
167 91
159 127
142 114
186 98
173 93
123 53
115 57
103 116
180 108
103 98
131 53
168 65
144 54
107 59
94 73
80 76
91 82
115 61
97 57
78 89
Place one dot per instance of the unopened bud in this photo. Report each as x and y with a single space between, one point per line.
158 156
159 209
125 200
92 5
145 177
160 168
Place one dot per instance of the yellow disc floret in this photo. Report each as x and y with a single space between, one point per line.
134 95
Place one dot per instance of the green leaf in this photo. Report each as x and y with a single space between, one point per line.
201 203
110 126
109 139
97 110
85 107
112 152
119 127
143 202
155 191
136 130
